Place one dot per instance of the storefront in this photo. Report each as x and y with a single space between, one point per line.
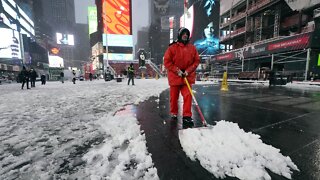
295 55
9 72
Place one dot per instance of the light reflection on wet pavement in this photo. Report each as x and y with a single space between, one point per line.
284 118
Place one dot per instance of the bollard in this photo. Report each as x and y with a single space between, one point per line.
224 85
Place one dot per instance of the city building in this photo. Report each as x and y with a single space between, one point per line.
142 39
16 27
82 43
44 33
112 43
160 30
259 36
61 35
61 17
200 17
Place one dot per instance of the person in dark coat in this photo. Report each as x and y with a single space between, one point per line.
131 74
33 77
74 76
272 78
24 74
90 76
62 77
43 79
107 75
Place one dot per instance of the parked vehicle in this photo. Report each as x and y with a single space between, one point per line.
5 79
81 78
277 79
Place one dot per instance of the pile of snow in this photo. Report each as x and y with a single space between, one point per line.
313 86
225 149
123 154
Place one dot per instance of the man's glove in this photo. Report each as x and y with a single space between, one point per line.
180 73
185 74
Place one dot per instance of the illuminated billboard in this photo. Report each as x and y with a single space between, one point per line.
118 56
187 20
117 40
9 44
14 12
202 19
66 39
92 19
116 15
55 61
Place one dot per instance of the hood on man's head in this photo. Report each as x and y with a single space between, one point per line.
180 32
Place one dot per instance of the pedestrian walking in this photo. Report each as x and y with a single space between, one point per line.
43 79
272 78
90 76
24 74
62 76
33 77
107 75
181 60
131 74
74 76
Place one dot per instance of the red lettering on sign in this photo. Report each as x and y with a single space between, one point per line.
296 43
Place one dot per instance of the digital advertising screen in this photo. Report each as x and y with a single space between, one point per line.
187 20
10 44
15 12
92 19
117 40
55 61
65 39
116 15
118 56
204 17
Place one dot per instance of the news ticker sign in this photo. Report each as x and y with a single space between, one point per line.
287 44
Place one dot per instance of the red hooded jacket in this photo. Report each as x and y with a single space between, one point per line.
181 57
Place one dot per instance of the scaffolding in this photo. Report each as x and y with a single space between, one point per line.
238 65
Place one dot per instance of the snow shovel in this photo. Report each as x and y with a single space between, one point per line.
204 122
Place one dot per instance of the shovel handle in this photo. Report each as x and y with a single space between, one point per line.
204 122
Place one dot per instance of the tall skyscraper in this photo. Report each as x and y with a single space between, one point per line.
60 15
160 30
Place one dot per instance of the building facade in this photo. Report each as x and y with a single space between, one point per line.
16 27
159 32
268 35
60 15
143 39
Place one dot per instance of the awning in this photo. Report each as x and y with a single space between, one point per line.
291 43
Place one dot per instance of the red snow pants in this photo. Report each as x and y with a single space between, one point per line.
187 99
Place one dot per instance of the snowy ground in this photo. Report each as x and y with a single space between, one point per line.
46 132
61 131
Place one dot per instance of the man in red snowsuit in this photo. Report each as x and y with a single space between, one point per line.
181 60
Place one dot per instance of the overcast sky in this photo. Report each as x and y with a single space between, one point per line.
140 13
81 11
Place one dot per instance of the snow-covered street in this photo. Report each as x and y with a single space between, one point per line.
67 131
46 131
